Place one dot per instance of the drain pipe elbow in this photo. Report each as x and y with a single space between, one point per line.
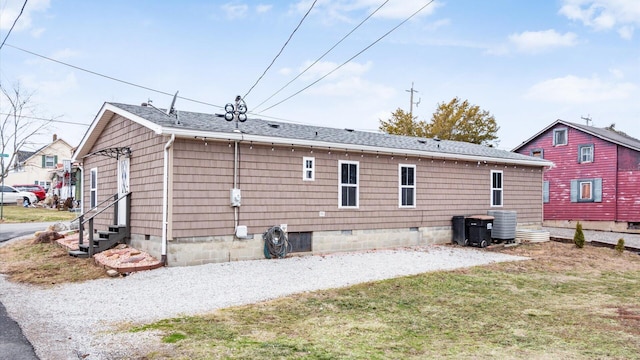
165 199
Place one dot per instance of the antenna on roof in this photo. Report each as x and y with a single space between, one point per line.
587 119
171 109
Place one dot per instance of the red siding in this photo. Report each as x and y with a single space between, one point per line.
568 168
628 185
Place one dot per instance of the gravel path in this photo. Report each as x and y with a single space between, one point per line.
75 320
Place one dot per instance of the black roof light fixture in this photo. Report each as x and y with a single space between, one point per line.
237 112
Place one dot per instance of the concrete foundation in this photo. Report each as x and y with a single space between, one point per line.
613 226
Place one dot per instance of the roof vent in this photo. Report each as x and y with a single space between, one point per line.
422 141
275 126
349 130
436 139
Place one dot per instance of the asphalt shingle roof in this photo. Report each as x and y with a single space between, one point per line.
607 134
283 130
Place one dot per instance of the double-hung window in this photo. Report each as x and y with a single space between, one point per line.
308 169
49 161
585 153
348 187
496 188
407 185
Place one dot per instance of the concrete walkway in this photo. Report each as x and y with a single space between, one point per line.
608 237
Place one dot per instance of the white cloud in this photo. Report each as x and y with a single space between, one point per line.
50 88
11 10
576 90
604 14
263 8
36 33
64 54
539 41
235 10
616 73
285 71
438 24
626 32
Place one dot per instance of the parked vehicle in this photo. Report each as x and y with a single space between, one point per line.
40 192
10 195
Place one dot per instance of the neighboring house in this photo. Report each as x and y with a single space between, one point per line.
596 177
34 167
331 189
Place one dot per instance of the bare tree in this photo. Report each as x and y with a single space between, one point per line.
18 123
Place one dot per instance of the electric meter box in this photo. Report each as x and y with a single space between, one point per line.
236 197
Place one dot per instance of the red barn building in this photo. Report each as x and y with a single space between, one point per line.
596 177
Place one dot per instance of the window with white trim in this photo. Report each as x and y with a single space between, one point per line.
585 153
308 168
407 186
348 181
586 190
93 188
496 188
49 161
560 136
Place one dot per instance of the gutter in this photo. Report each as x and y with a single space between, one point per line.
165 199
237 136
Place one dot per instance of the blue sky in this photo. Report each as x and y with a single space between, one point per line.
526 62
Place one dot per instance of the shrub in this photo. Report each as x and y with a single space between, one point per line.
620 246
578 237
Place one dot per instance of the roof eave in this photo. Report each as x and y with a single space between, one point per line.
239 136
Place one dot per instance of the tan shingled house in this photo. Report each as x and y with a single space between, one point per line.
202 190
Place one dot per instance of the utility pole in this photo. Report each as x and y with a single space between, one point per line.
411 100
587 119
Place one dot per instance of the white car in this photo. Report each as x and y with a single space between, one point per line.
10 195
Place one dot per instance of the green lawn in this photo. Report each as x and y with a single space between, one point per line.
19 214
572 304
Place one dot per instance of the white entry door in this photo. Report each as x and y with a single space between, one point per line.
123 189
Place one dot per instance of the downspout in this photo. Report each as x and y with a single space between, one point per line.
235 185
81 167
165 199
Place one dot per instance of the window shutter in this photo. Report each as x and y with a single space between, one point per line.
545 192
55 161
574 190
44 161
597 191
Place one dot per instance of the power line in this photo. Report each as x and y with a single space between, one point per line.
323 55
45 119
112 78
14 24
281 49
353 57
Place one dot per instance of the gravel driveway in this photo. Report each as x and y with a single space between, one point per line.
75 320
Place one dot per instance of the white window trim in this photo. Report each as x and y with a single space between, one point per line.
580 198
340 185
400 186
501 188
305 169
583 147
46 161
91 188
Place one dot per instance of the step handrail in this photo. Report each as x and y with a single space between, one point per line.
82 221
114 197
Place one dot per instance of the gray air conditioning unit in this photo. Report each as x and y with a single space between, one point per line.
504 224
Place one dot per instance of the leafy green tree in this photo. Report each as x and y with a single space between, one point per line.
460 121
402 123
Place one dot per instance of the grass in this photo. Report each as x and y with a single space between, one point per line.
19 214
580 308
565 303
45 264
